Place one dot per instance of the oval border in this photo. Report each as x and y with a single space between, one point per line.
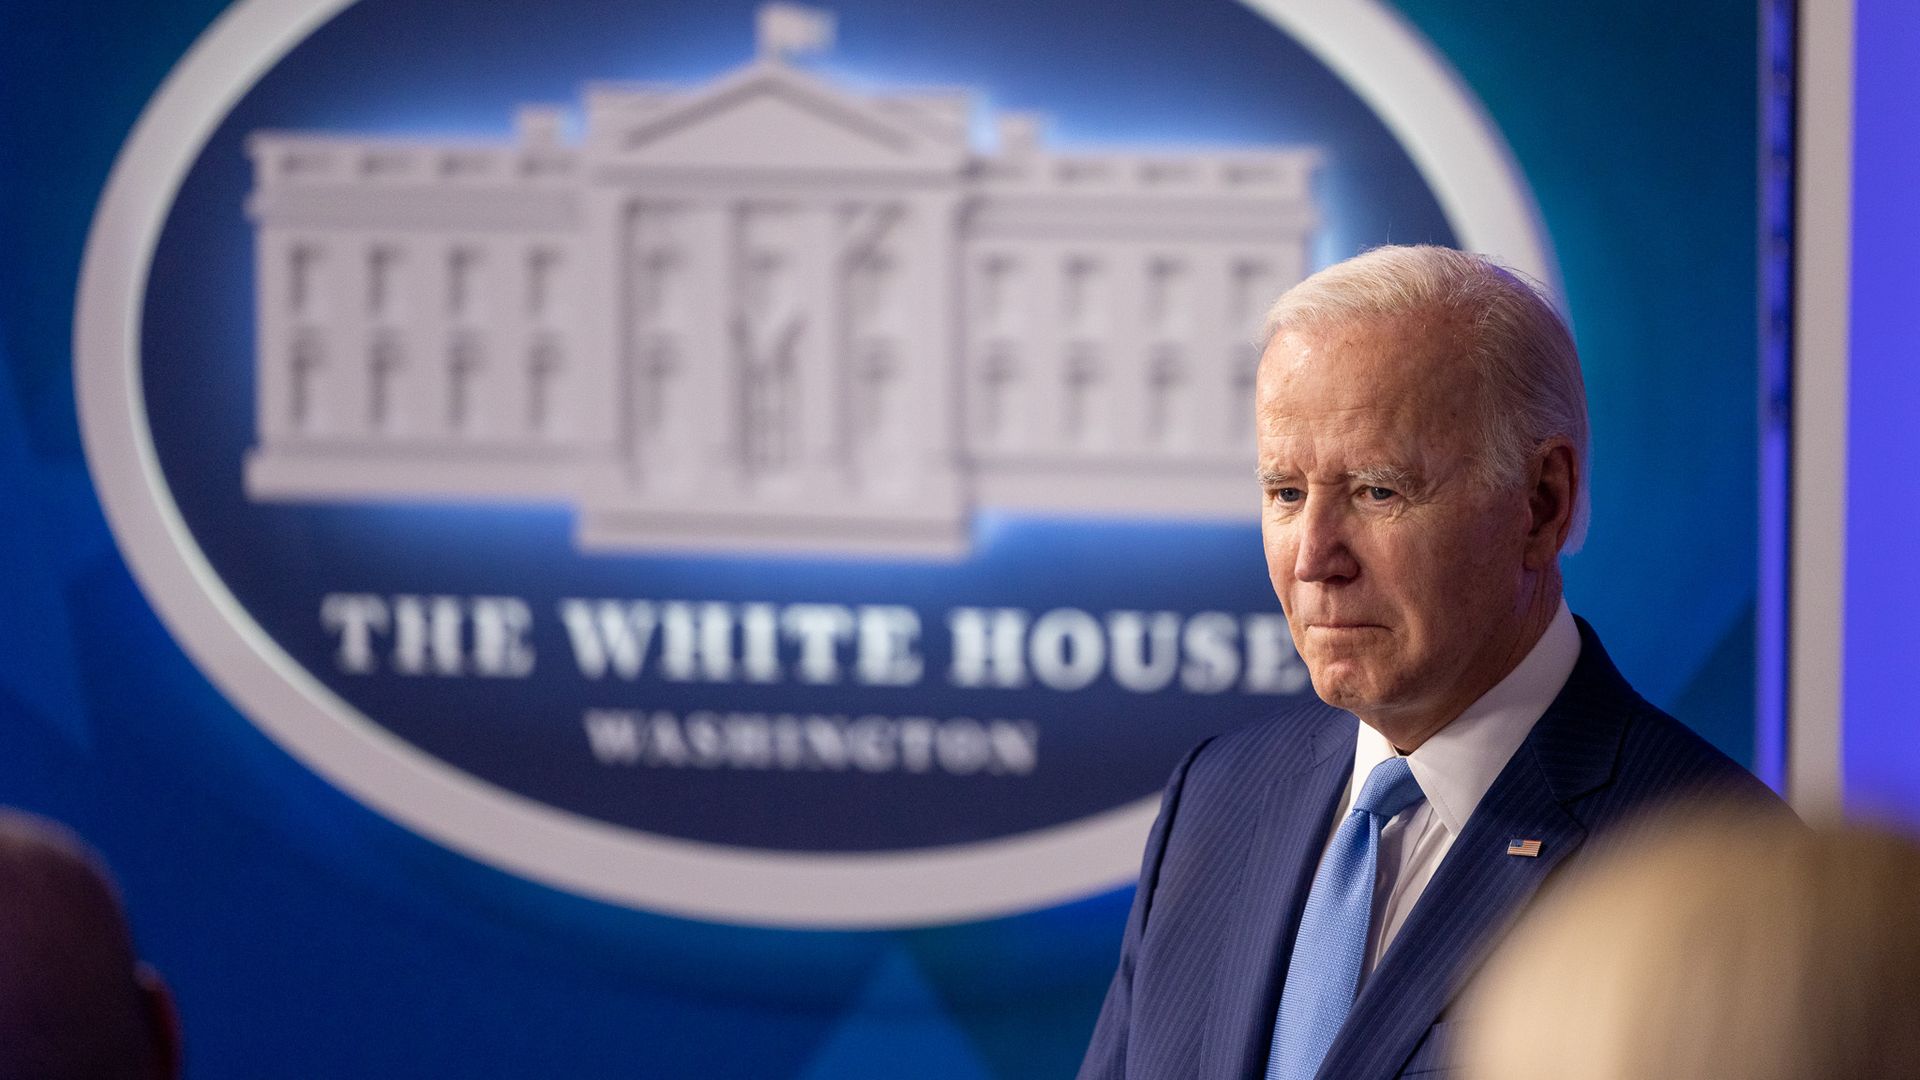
1375 51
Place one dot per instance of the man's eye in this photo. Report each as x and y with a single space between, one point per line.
1380 494
1288 494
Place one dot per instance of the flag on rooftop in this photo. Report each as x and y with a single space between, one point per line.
787 29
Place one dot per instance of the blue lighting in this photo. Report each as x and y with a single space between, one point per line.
1882 757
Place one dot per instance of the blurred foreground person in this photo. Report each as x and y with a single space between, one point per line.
75 1002
1726 948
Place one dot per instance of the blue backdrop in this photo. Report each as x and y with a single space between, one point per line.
1882 764
308 936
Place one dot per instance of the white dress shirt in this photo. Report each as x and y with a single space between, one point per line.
1454 767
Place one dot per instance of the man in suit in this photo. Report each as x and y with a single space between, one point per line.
1319 887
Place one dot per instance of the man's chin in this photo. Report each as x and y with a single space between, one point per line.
1342 687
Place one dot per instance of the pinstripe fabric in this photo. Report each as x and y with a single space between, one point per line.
1230 860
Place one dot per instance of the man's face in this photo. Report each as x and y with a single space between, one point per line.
1401 573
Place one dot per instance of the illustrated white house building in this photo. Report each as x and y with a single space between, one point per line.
767 314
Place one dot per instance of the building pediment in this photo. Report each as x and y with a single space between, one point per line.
771 117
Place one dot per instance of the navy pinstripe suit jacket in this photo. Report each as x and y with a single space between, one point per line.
1245 817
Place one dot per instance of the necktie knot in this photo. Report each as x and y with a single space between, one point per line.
1390 788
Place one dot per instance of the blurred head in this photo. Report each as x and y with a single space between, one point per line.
1724 949
75 1003
1422 437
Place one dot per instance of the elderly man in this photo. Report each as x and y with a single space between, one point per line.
1319 886
75 1003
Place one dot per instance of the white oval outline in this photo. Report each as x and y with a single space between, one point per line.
1373 49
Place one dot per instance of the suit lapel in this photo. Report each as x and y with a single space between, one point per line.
1476 890
1479 888
1295 820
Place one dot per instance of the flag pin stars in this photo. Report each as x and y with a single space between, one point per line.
1528 848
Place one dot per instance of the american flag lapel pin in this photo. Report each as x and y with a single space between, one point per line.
1528 848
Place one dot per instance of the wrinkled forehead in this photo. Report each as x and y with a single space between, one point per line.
1398 391
1415 361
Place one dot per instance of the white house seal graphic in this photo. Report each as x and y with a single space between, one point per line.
771 314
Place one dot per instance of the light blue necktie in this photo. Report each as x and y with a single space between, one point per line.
1324 973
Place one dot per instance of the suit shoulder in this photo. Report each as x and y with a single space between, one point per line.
1285 730
1615 752
1662 759
1234 760
1654 735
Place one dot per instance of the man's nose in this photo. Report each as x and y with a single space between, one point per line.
1322 552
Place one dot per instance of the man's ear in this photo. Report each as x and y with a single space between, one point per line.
1552 490
163 1023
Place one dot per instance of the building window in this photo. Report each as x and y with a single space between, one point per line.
383 272
658 363
655 273
869 292
465 365
463 282
999 309
876 368
999 379
654 263
303 280
768 406
383 384
1082 306
543 273
768 322
543 386
1166 386
1166 299
308 370
1083 374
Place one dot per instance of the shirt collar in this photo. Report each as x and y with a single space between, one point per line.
1458 763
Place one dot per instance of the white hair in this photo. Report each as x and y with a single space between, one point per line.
1532 391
